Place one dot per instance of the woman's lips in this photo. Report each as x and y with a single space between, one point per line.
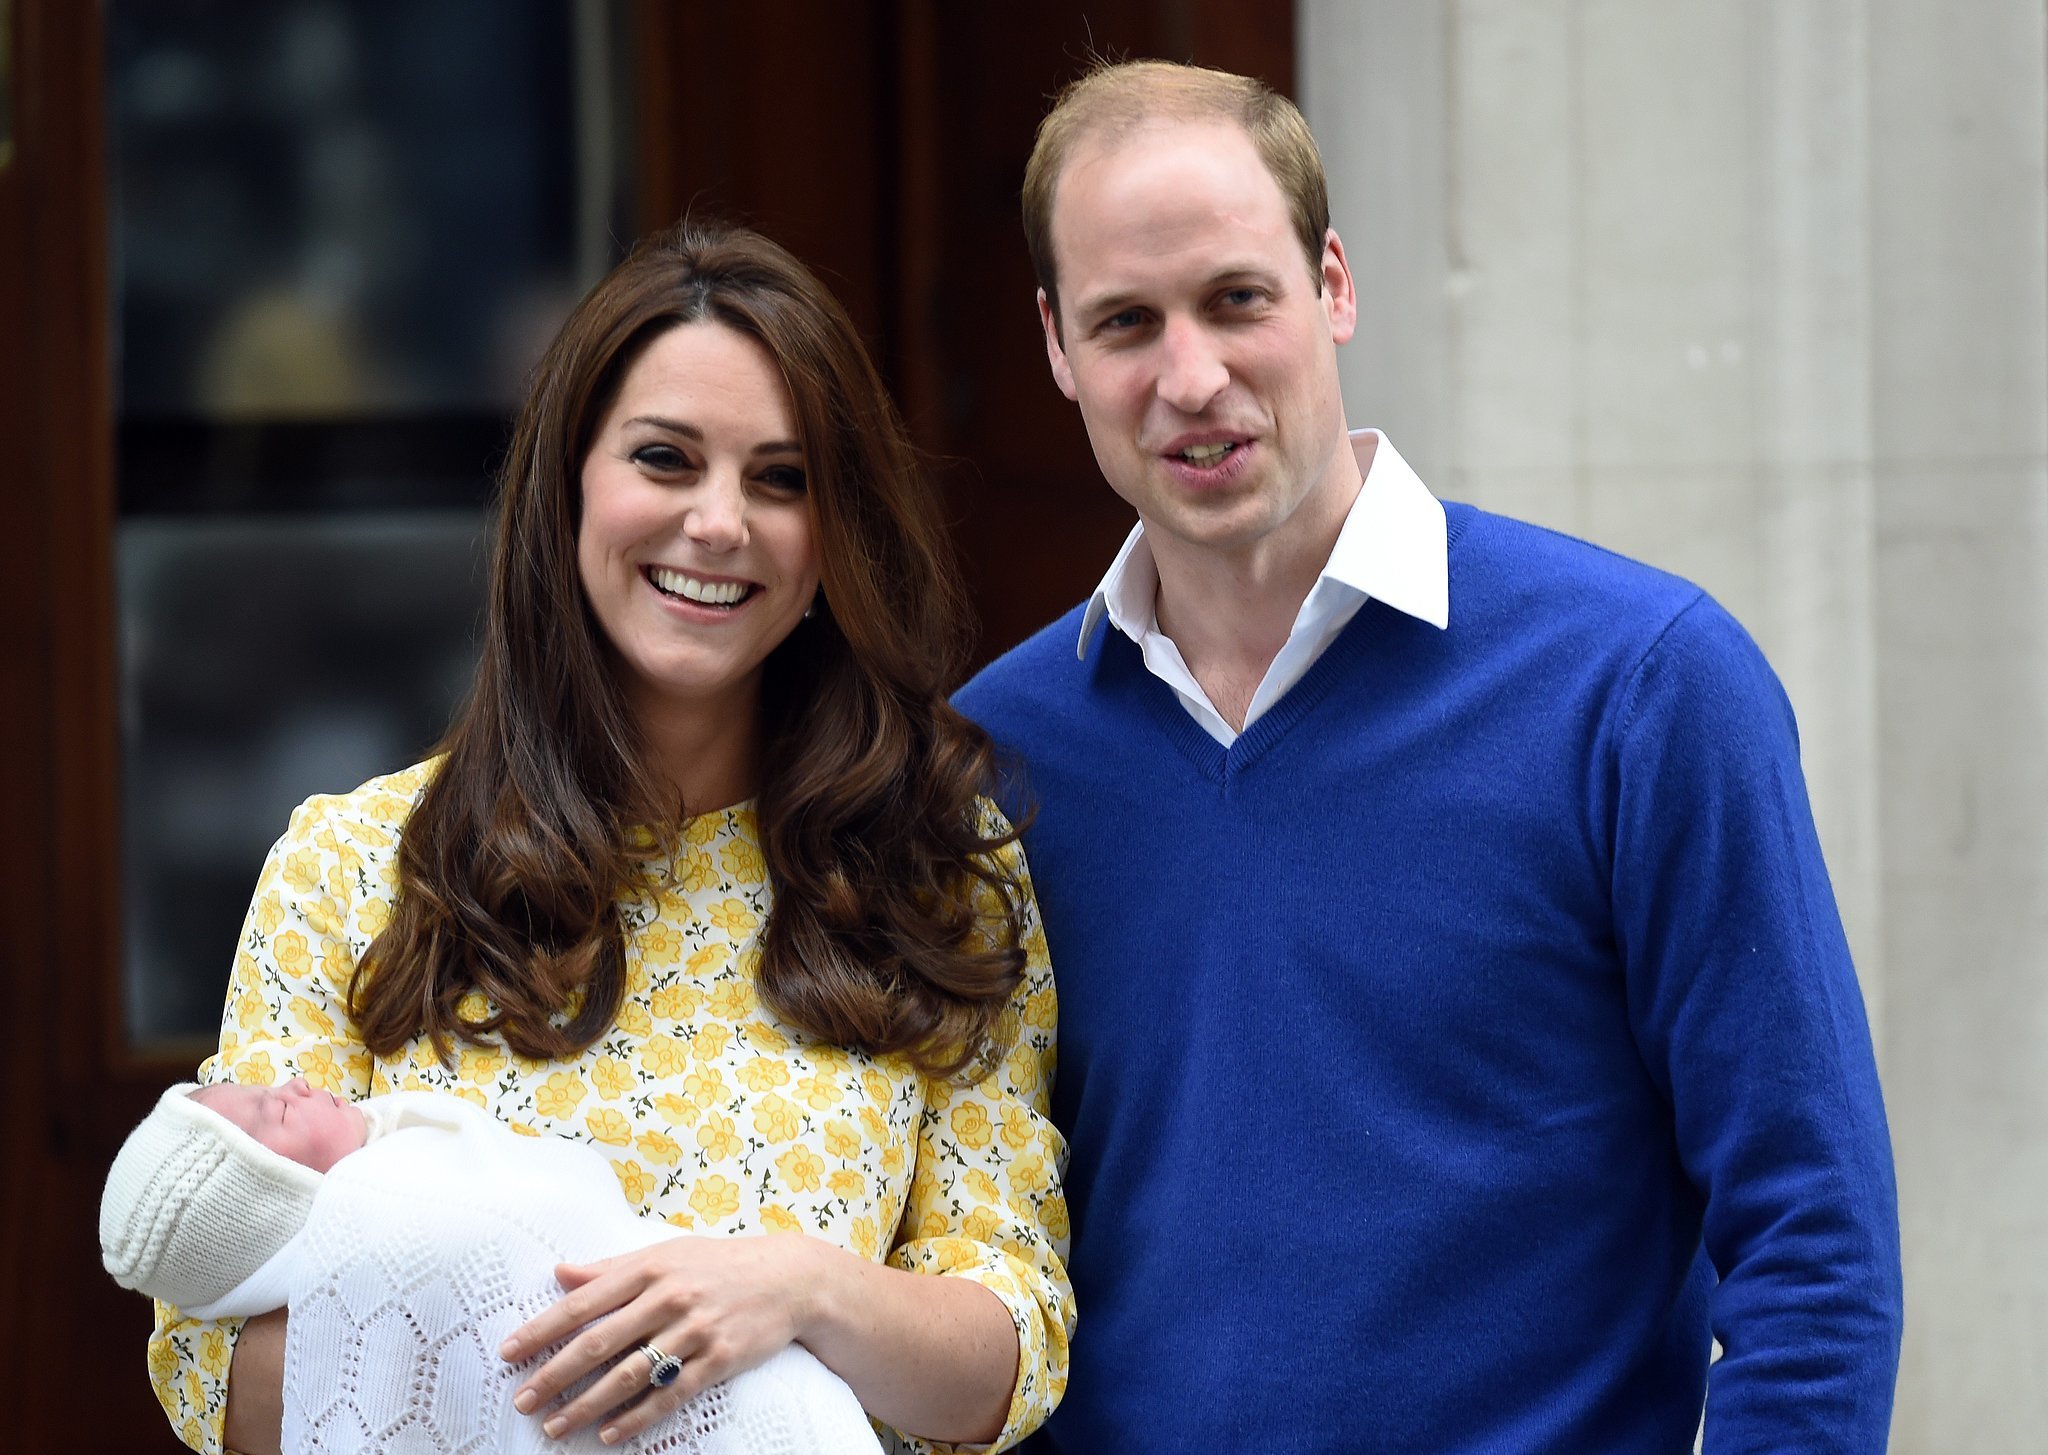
711 592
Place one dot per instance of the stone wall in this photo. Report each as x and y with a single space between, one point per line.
1757 290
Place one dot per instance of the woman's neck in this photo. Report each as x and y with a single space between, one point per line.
708 756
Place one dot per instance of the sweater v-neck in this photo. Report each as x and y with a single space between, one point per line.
1212 759
1220 764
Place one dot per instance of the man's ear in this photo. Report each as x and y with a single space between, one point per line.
1055 353
1340 294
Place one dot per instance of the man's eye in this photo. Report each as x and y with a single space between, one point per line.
1241 297
661 457
1118 322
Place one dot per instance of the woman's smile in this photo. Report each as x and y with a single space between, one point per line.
699 590
696 546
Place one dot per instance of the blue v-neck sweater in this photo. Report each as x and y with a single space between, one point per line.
1448 1058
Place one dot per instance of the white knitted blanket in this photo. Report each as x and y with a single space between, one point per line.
430 1245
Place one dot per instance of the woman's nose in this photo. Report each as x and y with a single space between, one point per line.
717 515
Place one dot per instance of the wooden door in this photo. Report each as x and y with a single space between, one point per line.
882 139
73 1347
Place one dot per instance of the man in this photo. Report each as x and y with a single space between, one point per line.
1457 1031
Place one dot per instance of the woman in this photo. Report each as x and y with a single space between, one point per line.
719 635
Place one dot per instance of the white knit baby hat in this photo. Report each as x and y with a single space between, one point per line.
194 1204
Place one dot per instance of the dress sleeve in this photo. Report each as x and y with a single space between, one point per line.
325 892
985 1200
1748 1014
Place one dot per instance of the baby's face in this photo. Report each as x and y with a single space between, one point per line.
316 1129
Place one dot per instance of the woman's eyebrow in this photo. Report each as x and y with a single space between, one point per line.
673 426
692 432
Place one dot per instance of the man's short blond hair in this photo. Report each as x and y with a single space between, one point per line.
1114 98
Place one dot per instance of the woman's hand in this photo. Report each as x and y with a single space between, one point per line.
255 1414
720 1305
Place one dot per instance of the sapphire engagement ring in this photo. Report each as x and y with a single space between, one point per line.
662 1369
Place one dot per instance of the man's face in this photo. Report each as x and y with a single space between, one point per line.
1198 343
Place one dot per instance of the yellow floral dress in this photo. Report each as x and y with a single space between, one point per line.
715 1114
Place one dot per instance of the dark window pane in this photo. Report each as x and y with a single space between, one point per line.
265 661
342 232
332 209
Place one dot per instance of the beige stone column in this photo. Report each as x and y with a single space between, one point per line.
1758 292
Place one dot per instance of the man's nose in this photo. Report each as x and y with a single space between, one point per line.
1191 374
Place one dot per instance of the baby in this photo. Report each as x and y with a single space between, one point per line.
408 1235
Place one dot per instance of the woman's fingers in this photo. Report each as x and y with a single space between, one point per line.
601 1344
575 1275
708 1361
627 1394
658 1405
624 1382
717 1305
588 1297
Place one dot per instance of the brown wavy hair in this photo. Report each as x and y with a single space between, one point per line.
513 864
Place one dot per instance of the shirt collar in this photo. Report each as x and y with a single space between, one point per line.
1392 547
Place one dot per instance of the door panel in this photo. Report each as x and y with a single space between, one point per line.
884 140
73 1343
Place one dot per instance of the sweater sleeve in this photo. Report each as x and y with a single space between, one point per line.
1748 1014
323 894
985 1200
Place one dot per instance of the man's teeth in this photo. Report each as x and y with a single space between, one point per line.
1206 454
706 593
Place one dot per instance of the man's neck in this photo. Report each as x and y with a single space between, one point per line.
1230 612
1229 619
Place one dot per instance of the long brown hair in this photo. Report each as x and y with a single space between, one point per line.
512 864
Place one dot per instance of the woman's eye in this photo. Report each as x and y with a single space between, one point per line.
661 457
785 477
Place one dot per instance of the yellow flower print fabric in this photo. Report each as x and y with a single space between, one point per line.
716 1115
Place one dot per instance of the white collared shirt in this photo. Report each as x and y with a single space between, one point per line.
1392 548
